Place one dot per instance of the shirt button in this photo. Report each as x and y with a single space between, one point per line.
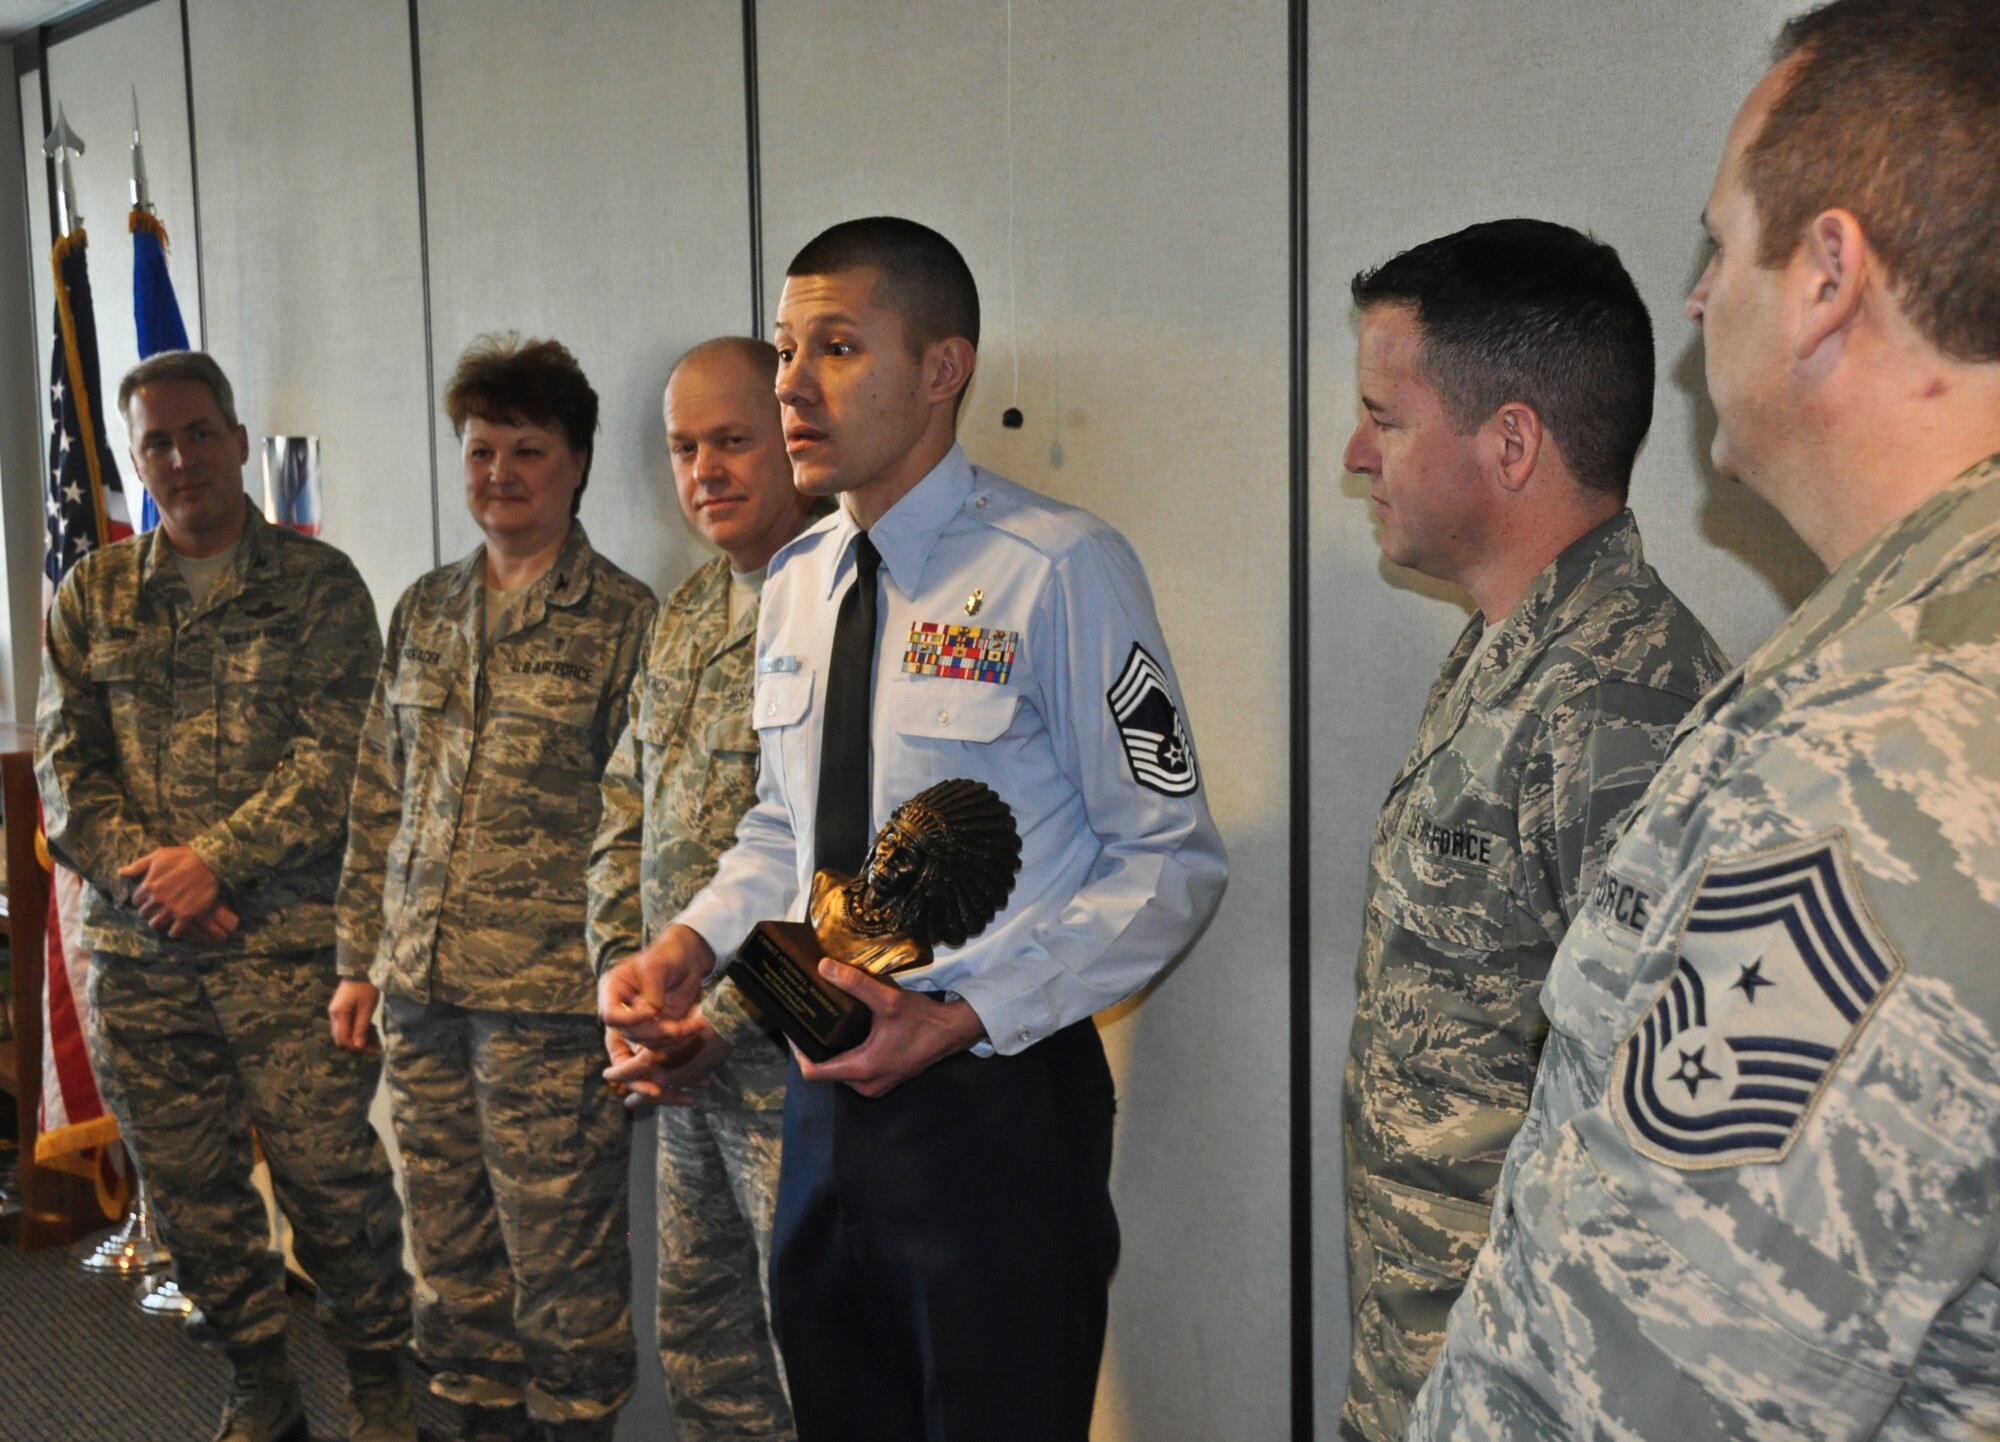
943 717
770 708
981 503
1024 1033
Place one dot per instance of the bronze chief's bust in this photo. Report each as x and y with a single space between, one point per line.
939 871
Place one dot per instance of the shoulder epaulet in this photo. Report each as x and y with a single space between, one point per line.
1962 629
1050 526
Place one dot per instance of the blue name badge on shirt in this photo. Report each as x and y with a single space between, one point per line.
777 665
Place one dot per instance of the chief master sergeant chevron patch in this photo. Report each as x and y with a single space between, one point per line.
1156 743
1780 967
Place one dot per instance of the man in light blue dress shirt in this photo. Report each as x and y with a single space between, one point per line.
945 1237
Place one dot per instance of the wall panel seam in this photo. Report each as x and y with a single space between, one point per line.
753 153
194 176
1300 899
424 272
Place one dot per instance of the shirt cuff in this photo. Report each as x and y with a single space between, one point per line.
711 922
1015 1016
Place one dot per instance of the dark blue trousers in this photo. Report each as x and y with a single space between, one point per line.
942 1256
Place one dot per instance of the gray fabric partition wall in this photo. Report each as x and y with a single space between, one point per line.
381 180
305 123
584 169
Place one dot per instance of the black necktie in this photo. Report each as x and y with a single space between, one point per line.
840 824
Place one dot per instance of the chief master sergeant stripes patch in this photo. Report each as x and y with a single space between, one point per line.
1780 967
1156 743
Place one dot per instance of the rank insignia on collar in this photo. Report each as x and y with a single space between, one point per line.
961 653
1780 965
1156 743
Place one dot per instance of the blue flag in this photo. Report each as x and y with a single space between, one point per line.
155 311
86 501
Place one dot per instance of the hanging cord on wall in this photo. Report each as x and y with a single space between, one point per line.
1011 417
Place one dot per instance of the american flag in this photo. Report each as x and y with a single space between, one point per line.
86 502
86 509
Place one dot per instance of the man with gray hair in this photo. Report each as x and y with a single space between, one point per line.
203 686
1758 1191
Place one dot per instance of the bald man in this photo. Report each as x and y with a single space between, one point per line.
683 774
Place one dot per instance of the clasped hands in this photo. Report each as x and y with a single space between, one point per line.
178 894
662 1047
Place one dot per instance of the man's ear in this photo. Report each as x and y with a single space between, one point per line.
1513 441
948 367
1836 269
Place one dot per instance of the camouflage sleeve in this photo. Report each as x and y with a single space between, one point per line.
723 1006
1799 1252
1593 758
614 919
76 755
624 674
375 812
301 810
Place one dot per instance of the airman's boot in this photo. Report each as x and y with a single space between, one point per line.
494 1424
263 1401
380 1404
592 1429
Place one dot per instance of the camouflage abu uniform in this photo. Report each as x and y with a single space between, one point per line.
463 900
1494 832
228 727
1758 1193
682 776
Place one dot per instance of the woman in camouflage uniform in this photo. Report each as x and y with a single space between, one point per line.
462 901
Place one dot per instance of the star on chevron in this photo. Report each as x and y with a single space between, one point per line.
1752 978
1693 1072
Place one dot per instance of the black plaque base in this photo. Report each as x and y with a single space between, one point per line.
777 968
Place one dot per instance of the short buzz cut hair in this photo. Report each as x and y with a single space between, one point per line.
508 381
180 365
923 277
1535 312
1892 112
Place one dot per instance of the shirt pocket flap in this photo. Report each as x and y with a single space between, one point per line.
952 710
782 699
123 665
1448 901
731 732
426 693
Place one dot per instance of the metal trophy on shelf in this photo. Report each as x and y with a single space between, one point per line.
292 495
129 1249
938 873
